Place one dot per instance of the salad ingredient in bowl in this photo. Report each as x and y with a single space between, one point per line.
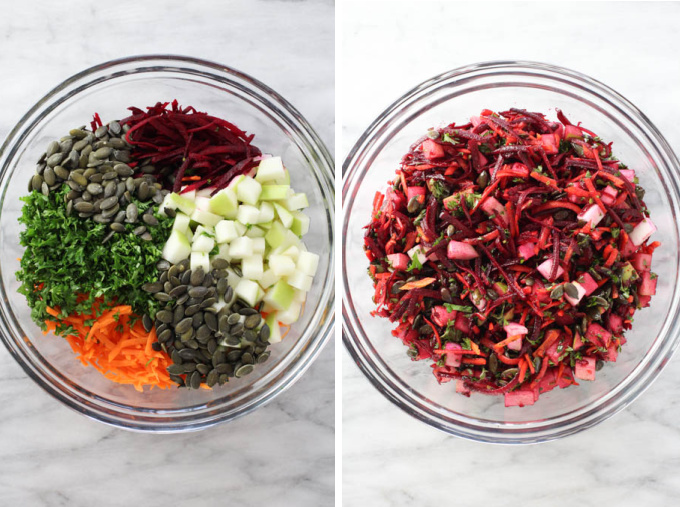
512 252
165 248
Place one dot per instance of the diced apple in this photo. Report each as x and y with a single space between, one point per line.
280 295
177 248
270 169
308 263
290 315
274 330
255 232
182 203
224 203
205 192
225 231
293 252
284 215
202 203
232 278
202 243
223 252
300 281
200 260
274 192
282 265
241 247
276 235
266 213
268 279
181 223
248 191
190 194
419 252
248 291
259 246
296 202
248 214
205 218
252 267
300 223
240 228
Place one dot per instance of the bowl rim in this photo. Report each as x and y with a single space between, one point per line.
467 427
322 164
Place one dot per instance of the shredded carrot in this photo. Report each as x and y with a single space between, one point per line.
418 284
53 311
117 348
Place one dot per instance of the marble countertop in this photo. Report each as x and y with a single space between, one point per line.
282 454
391 459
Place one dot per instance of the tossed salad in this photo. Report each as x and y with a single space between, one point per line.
512 253
165 248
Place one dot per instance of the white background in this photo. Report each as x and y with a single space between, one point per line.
390 458
281 455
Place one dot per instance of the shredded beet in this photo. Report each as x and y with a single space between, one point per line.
187 147
513 252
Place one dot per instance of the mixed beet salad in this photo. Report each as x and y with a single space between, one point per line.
165 248
512 253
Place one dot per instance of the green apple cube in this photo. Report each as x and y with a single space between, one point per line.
181 223
248 191
180 202
248 214
177 248
248 291
224 203
189 234
223 252
205 218
266 226
293 252
284 215
191 194
290 239
233 184
200 260
418 251
240 228
274 192
241 247
270 169
202 203
202 243
252 267
282 265
274 329
307 263
280 295
300 296
232 278
290 315
285 180
300 223
268 279
259 245
266 213
255 232
208 230
205 192
300 281
276 235
225 231
295 202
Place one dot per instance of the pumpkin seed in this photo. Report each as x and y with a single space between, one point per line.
183 326
195 380
203 369
147 323
131 213
219 263
265 333
175 369
191 310
152 287
234 318
265 355
164 316
161 296
571 290
244 370
197 277
252 321
198 292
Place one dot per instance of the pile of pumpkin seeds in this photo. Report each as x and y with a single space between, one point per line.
209 334
102 184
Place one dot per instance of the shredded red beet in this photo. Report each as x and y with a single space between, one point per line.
512 251
188 147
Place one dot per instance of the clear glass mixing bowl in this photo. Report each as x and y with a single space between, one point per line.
455 96
109 89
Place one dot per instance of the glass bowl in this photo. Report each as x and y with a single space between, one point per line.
456 96
109 89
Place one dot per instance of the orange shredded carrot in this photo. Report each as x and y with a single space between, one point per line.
116 347
53 311
418 284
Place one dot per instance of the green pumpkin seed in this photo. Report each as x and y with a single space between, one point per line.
252 321
183 326
164 316
175 369
219 263
152 287
131 213
197 277
162 297
244 370
203 369
265 355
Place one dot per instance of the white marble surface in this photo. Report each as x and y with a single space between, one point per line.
390 458
281 455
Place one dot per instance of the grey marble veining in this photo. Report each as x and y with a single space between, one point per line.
391 459
280 455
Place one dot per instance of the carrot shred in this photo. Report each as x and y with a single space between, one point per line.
418 284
